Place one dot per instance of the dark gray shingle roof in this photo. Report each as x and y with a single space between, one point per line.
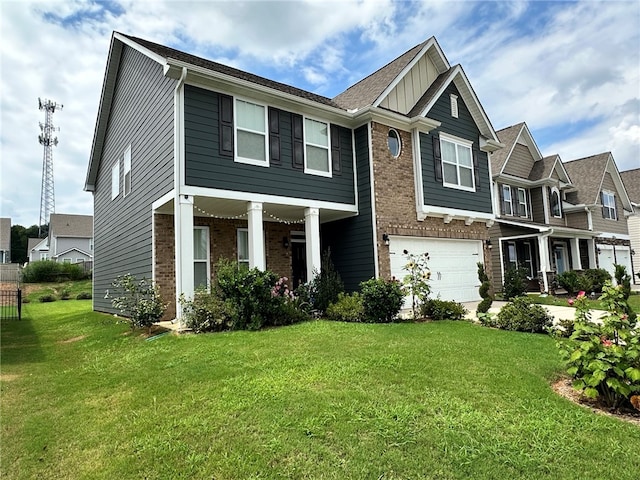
507 136
586 175
63 225
631 180
542 168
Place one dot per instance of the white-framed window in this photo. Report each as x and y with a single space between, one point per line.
127 171
556 209
44 256
457 163
66 260
454 105
523 210
316 147
609 205
528 259
115 180
243 247
394 143
512 256
201 263
251 133
507 204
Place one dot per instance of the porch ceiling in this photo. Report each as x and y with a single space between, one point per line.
272 212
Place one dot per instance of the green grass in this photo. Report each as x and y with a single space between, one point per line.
634 301
82 397
37 290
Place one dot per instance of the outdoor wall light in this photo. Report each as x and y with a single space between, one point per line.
488 242
285 242
385 238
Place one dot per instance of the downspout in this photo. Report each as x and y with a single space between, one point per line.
177 182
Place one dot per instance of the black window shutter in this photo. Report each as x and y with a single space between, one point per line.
437 159
476 170
615 209
274 136
298 141
335 150
225 103
502 206
604 214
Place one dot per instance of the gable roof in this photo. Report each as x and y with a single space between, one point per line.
507 136
631 180
73 249
588 174
34 243
63 225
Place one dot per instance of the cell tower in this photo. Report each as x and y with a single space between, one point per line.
48 140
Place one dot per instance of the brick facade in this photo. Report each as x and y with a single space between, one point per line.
395 201
222 244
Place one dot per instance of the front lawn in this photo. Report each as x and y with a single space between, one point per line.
561 300
82 397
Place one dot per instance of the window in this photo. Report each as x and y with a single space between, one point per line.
44 256
454 105
555 203
243 247
522 203
512 257
527 259
115 180
127 171
609 205
316 139
201 257
393 143
507 205
457 163
66 260
251 133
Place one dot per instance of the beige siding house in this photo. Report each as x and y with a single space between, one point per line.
631 180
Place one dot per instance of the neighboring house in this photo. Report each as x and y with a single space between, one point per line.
631 180
600 203
193 160
70 240
5 240
536 229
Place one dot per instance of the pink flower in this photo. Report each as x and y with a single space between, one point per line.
570 301
607 343
580 294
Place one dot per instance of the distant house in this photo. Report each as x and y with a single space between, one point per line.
193 160
631 180
70 240
5 240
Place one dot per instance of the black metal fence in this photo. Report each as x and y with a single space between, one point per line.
11 304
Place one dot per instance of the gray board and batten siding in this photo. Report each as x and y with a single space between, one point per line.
351 240
462 127
207 167
141 116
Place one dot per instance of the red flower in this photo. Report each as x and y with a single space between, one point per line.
605 341
580 294
570 301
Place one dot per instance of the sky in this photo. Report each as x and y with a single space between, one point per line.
570 70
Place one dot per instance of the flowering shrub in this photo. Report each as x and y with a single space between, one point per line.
416 281
604 359
281 289
139 301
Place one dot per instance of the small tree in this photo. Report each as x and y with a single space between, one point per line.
416 281
514 283
325 286
485 290
140 301
623 279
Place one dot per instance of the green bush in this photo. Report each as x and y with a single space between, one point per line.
65 294
484 290
569 281
563 329
597 277
47 298
437 309
484 305
523 316
139 301
84 296
515 283
49 271
348 308
325 286
382 300
207 312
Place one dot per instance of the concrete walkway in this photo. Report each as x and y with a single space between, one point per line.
558 313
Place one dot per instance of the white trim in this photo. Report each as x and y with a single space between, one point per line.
557 192
619 236
256 236
399 138
526 204
115 172
503 211
610 195
417 170
457 141
355 167
236 157
139 48
163 200
433 211
374 219
312 241
206 260
311 171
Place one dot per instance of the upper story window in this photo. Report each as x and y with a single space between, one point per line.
251 133
393 143
316 139
556 209
609 205
115 180
507 204
457 163
523 210
127 171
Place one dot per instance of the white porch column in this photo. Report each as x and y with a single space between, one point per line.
256 236
312 237
543 253
183 225
591 246
575 254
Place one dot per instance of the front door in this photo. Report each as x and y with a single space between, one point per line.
560 256
298 263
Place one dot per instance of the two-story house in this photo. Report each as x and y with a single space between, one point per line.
193 160
533 230
70 240
5 240
631 180
600 203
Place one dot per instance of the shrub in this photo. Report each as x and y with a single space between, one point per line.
84 296
623 279
348 308
598 277
515 283
484 290
523 316
47 298
207 312
437 309
604 359
139 301
416 281
50 271
382 300
65 294
569 281
563 329
325 286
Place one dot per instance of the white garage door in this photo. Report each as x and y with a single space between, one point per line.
607 260
453 265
